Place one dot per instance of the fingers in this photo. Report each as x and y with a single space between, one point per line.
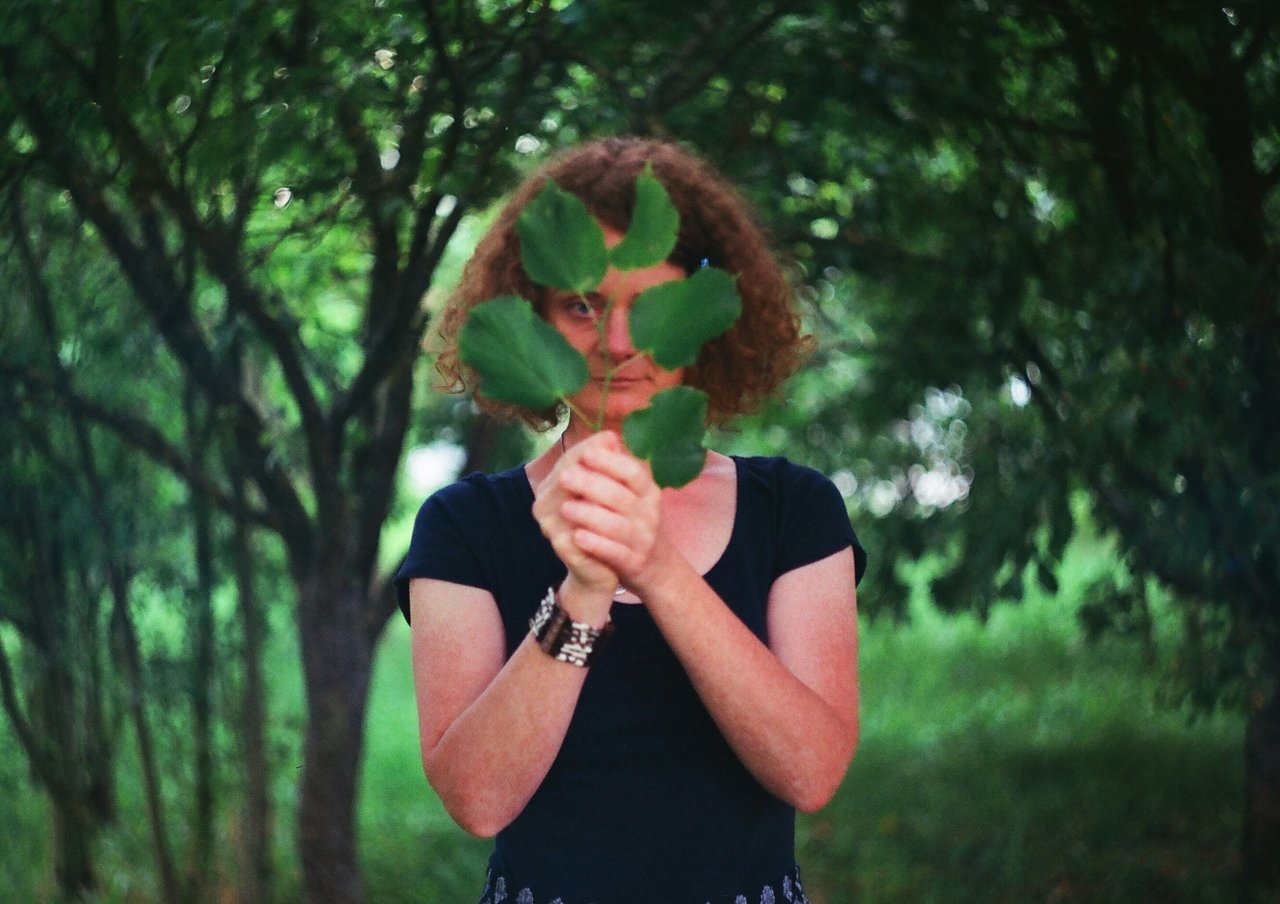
557 492
604 454
589 518
601 471
590 572
600 509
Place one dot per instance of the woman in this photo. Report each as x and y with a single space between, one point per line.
666 765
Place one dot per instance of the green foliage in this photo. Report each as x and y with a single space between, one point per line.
668 434
561 245
1065 218
654 224
523 359
672 320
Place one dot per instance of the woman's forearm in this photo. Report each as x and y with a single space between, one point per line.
489 762
796 739
489 729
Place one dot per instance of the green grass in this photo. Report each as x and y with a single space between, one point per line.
1005 762
1013 763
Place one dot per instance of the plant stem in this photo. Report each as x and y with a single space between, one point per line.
602 327
575 410
634 358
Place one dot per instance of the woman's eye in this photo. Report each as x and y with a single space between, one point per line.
581 308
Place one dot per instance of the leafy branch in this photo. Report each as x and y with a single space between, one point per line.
523 360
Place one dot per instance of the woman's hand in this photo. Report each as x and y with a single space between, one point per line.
601 510
590 583
615 508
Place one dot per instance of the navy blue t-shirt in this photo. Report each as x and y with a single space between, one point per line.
645 800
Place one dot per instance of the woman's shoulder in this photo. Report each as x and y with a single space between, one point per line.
477 499
501 484
804 506
784 488
778 471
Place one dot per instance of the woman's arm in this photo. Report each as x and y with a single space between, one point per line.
489 730
789 709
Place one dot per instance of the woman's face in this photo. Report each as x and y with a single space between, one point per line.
597 326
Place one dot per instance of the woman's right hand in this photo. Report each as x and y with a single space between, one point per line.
588 590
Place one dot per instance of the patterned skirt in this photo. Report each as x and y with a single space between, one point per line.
787 890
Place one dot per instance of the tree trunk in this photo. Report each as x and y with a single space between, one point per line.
1261 840
74 831
336 658
203 665
130 654
56 765
256 820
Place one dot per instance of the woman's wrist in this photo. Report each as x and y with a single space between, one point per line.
585 603
667 568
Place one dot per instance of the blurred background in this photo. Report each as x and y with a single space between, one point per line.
1036 243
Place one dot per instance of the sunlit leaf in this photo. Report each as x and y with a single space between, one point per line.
521 359
669 434
672 320
561 244
653 230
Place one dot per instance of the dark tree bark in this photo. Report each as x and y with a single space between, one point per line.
257 817
336 665
1261 830
201 631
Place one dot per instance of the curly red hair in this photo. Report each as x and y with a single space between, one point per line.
738 369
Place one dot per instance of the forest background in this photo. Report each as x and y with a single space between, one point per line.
1037 242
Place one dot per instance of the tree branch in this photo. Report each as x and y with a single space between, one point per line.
27 737
161 295
221 253
396 332
684 77
142 436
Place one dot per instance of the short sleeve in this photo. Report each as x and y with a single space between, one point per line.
439 548
814 522
481 532
447 541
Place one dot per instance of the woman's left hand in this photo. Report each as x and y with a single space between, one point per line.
615 508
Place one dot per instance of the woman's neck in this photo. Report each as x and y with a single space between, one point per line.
577 430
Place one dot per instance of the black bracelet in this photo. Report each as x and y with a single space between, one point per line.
562 638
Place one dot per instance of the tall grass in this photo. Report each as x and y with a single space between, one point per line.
1009 761
1013 761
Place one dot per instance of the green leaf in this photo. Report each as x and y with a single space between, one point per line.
521 359
654 226
669 434
561 244
672 320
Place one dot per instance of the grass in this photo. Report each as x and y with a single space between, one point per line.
1005 762
1013 763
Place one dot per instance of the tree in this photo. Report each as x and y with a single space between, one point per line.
197 148
61 714
277 184
1054 227
91 534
